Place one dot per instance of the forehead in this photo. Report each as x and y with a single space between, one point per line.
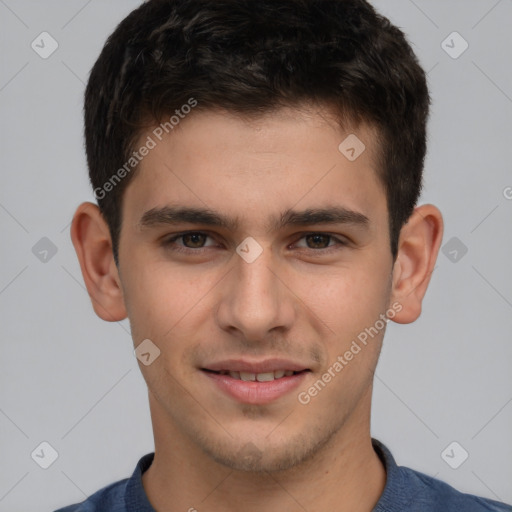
245 167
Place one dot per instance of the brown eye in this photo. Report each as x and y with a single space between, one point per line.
318 239
321 241
194 239
192 242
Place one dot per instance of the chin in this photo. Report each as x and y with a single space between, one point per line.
263 455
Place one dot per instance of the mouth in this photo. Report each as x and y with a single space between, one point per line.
255 383
257 377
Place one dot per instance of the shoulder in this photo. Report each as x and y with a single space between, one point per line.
413 491
109 498
431 494
123 496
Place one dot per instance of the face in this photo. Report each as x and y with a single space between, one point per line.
278 286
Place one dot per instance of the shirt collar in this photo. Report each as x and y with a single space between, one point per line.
393 498
135 496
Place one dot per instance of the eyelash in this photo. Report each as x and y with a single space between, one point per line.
169 243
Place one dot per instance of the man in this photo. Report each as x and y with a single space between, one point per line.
257 166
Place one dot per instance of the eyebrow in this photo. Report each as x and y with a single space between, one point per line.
172 215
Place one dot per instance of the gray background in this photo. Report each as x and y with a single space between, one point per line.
70 379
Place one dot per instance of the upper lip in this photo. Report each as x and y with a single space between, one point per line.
265 366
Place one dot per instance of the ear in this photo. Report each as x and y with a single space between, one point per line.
418 247
93 246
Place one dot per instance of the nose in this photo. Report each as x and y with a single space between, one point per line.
255 299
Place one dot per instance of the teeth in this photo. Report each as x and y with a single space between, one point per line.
265 377
260 377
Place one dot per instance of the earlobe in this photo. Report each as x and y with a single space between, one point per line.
418 247
93 246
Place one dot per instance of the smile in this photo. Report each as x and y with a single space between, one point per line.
255 388
260 377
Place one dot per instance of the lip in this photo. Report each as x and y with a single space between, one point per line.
265 366
254 392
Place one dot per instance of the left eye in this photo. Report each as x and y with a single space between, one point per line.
321 238
194 240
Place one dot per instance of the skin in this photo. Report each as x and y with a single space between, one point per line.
304 300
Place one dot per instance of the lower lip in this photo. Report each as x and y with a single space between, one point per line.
254 392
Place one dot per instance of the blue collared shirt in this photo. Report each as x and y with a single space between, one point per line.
406 490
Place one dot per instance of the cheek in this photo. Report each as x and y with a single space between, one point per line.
159 299
346 300
352 306
148 302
